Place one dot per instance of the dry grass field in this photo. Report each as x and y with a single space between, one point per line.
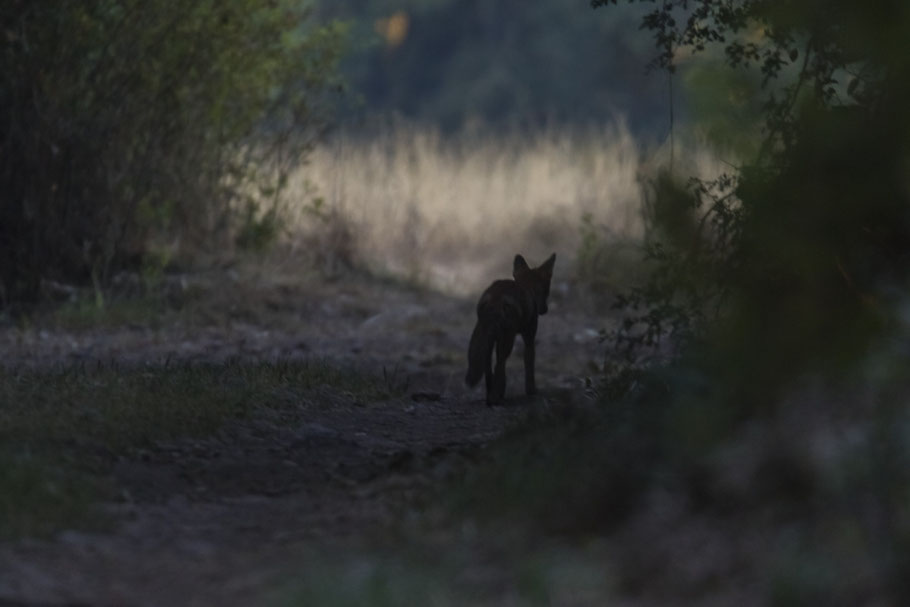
450 212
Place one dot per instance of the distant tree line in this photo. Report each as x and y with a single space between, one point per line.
503 64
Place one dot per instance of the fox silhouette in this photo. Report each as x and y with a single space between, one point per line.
506 309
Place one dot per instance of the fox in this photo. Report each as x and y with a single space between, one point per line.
506 309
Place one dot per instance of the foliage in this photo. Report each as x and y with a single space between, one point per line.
687 254
778 292
130 122
807 243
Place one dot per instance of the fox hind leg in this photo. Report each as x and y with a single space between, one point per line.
530 386
504 345
488 370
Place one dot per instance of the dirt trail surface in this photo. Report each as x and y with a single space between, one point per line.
227 519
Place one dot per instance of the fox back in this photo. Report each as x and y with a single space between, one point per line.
518 302
506 309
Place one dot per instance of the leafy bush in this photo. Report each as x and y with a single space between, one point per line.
132 121
779 292
791 265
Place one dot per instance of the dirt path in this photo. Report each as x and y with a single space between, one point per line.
225 520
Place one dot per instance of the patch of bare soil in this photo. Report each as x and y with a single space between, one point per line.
224 520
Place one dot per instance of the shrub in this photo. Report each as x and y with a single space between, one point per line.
791 265
783 290
128 120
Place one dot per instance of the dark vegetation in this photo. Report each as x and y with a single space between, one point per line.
502 65
759 374
134 131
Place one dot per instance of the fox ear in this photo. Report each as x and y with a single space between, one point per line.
547 266
519 265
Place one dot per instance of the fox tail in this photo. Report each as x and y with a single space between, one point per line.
479 349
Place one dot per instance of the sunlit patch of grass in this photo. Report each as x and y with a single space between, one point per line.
448 210
452 210
61 429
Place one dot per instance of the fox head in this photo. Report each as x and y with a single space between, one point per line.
536 280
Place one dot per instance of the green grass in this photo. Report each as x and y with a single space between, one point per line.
87 313
61 429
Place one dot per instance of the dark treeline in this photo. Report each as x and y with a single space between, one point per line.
503 64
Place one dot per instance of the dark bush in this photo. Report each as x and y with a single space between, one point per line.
796 262
130 122
783 291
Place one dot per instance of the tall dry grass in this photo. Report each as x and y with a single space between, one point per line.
451 212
